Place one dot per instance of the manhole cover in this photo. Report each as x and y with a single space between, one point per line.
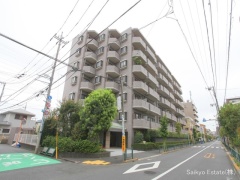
149 172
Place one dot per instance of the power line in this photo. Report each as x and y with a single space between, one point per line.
68 17
229 43
214 58
80 18
210 51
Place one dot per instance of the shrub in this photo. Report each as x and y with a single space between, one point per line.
66 144
86 146
138 138
145 146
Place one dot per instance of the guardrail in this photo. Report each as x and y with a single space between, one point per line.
234 153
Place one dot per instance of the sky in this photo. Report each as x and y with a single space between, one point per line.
197 55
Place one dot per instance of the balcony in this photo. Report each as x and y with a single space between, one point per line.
161 68
153 95
5 123
179 112
154 110
171 96
87 86
138 43
140 71
150 67
141 124
112 71
113 56
178 104
90 57
174 118
151 54
162 79
89 71
183 122
177 86
140 54
178 95
92 45
173 107
152 80
164 103
141 105
167 114
155 125
114 43
140 87
113 86
163 91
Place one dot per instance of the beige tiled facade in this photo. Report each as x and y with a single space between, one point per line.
190 110
151 91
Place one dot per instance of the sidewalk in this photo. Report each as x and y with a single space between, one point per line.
117 157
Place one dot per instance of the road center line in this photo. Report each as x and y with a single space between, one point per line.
174 167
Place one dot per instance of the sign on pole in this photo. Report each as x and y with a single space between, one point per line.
123 144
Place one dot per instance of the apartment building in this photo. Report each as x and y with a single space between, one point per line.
190 110
150 90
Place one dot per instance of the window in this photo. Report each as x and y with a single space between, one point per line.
99 64
124 79
5 130
123 64
71 96
100 50
138 116
123 50
98 79
120 116
83 96
76 64
20 116
80 39
74 80
124 37
78 52
101 38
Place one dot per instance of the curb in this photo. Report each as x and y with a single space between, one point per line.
237 169
131 160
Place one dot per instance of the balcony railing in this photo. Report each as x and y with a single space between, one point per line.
141 124
140 87
87 86
141 105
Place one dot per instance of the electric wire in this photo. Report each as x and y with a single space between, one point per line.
210 51
79 19
214 56
228 57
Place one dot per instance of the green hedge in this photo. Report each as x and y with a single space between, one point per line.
151 146
66 144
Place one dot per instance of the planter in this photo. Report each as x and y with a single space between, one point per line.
83 155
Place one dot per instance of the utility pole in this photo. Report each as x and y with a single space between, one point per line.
60 40
2 90
123 114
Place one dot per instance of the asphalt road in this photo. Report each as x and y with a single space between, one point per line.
207 161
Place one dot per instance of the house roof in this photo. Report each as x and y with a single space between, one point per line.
18 111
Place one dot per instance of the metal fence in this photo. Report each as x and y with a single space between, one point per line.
30 139
233 152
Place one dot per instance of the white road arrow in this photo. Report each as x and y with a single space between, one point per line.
136 168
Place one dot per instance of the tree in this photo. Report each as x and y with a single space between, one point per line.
98 113
68 116
178 128
164 130
138 138
229 116
194 134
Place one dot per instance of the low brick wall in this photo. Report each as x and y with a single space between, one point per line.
83 155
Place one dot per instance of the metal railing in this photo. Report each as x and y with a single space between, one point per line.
30 139
234 153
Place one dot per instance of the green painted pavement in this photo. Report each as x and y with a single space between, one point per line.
23 160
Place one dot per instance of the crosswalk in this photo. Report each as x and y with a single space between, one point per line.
216 147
